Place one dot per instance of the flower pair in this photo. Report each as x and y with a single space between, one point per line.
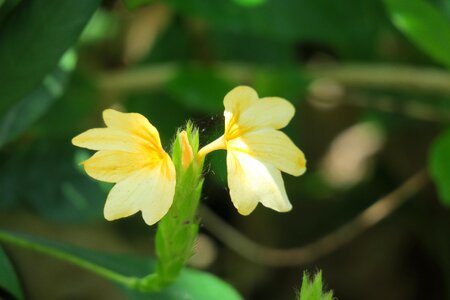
130 154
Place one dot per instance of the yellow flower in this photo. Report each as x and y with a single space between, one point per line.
256 150
130 155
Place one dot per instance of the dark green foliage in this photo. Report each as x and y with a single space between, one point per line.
289 83
191 284
33 106
30 50
425 25
322 21
6 6
66 194
132 4
199 89
439 166
8 277
250 2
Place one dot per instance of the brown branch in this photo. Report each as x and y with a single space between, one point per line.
403 78
372 215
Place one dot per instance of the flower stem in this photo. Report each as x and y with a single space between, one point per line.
12 239
218 144
178 229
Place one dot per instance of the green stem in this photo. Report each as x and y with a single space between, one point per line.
129 282
178 229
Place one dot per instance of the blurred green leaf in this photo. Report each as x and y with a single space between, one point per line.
199 89
288 83
173 43
329 22
132 4
8 277
312 289
34 105
439 166
250 2
70 112
424 25
217 162
190 285
45 179
6 6
102 26
33 40
227 46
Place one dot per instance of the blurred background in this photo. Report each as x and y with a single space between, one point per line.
370 102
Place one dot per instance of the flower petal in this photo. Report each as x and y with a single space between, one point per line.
150 191
267 112
237 100
251 181
133 123
108 139
272 147
114 166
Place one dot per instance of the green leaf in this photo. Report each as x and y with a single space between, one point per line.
190 285
6 6
34 105
34 38
424 25
132 4
312 289
79 101
64 194
217 161
8 278
102 26
328 22
439 166
199 89
259 49
289 83
250 2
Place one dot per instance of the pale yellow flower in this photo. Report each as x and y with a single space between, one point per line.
256 150
130 154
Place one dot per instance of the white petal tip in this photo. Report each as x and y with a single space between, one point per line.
285 209
300 172
150 222
244 212
112 216
75 141
109 218
151 219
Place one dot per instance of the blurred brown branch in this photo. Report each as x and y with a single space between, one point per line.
402 78
257 253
